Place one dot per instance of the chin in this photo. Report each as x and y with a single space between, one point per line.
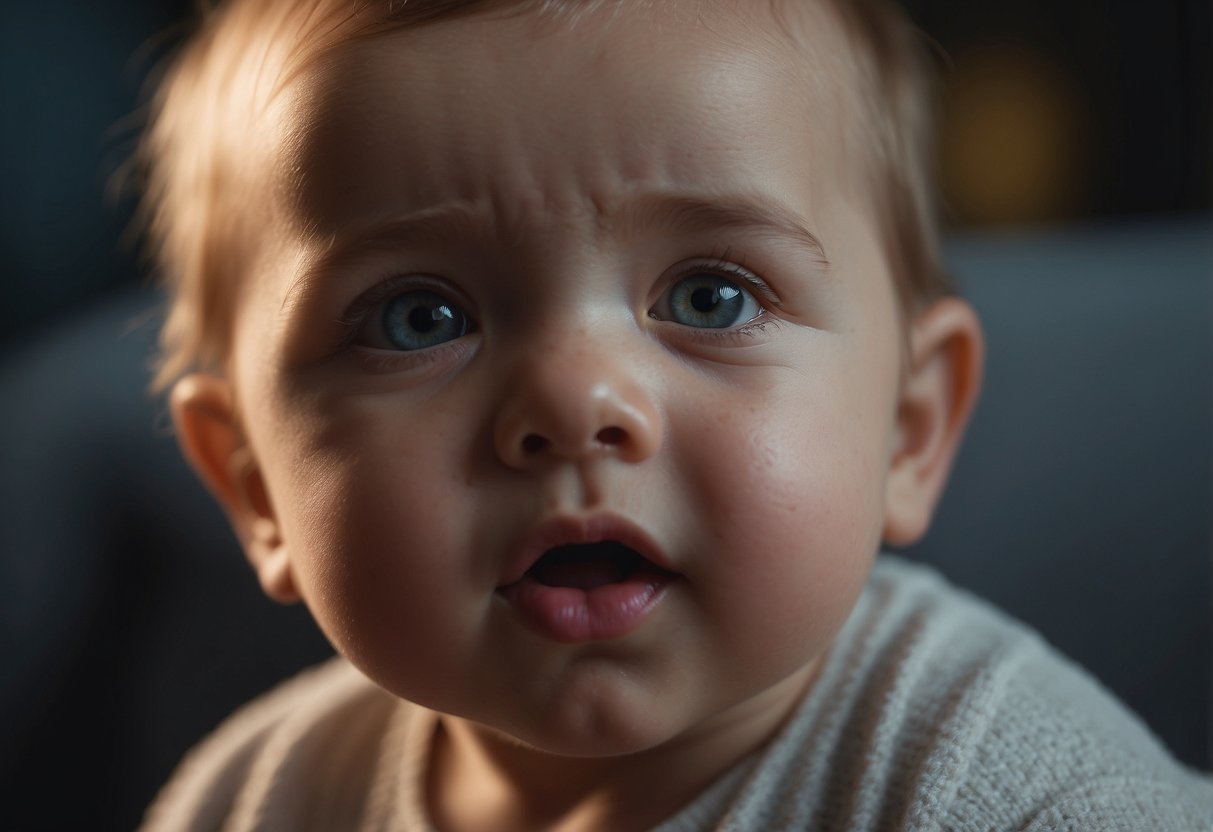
584 731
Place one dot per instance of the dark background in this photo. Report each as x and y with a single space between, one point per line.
1057 115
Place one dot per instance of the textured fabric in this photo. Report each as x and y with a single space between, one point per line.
932 712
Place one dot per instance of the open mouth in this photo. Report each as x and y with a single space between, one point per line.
588 565
591 579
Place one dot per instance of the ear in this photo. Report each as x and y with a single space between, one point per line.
211 438
937 397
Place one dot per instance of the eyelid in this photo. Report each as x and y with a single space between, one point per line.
445 354
356 313
741 336
726 268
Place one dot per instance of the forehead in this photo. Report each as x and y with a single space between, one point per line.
519 110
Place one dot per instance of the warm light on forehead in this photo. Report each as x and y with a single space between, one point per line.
616 128
244 103
752 214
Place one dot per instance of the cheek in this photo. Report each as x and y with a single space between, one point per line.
791 501
370 517
793 455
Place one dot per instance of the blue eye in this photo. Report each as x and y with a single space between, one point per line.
419 319
707 301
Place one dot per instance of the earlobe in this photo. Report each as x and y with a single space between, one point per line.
936 401
209 433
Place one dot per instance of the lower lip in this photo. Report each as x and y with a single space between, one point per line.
571 615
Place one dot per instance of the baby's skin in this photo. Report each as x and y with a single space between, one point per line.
572 392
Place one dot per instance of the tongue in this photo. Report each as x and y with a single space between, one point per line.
580 574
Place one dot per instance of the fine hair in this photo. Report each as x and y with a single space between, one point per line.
199 187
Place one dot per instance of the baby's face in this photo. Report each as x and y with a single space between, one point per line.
610 284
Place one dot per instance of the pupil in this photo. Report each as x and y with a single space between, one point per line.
705 298
423 319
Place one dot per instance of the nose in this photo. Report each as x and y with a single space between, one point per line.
576 404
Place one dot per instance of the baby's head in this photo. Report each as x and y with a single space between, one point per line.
570 360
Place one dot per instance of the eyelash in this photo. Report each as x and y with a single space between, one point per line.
355 316
732 268
731 337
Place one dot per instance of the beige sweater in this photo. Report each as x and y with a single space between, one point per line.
932 712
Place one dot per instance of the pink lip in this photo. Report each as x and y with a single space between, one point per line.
569 614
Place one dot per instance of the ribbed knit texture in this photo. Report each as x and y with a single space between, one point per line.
933 711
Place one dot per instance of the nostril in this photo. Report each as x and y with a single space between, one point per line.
533 443
611 436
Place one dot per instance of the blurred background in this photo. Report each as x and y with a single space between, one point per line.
1079 121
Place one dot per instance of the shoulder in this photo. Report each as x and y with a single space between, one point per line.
1019 734
307 749
955 716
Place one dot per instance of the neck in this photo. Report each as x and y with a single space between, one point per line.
481 780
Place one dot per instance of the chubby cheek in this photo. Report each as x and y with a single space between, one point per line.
791 501
372 524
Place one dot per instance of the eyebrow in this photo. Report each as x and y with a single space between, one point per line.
680 213
753 213
447 222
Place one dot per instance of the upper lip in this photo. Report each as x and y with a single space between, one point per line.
568 530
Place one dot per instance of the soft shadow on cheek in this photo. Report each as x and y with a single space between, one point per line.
310 466
366 495
788 476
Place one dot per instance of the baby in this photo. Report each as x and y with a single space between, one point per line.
571 361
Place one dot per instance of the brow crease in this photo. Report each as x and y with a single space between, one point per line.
660 213
443 223
743 212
